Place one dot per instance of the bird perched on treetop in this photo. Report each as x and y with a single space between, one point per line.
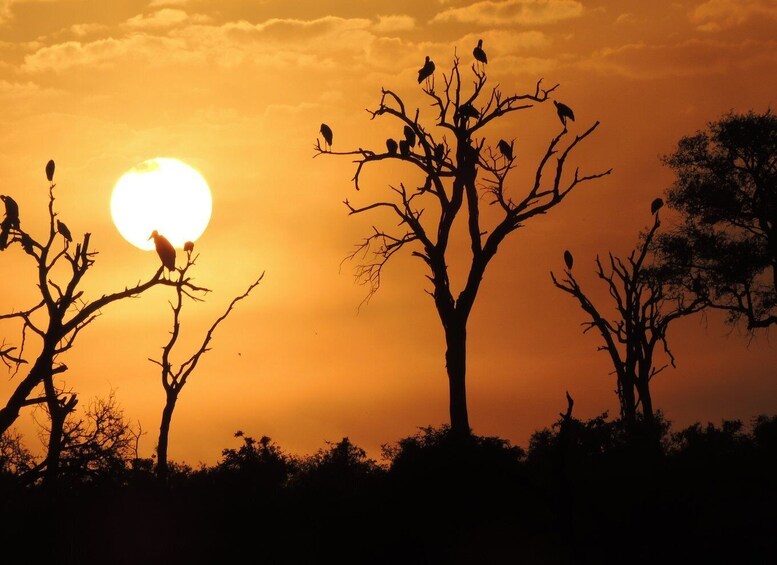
467 110
506 149
426 71
410 136
439 152
568 259
164 249
188 247
479 54
564 112
11 212
50 170
62 228
326 131
391 145
656 205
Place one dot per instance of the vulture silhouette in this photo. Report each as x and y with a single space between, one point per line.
568 259
404 147
564 112
62 228
439 152
656 205
426 71
50 170
164 249
479 54
326 131
391 145
188 246
467 111
410 136
11 212
506 149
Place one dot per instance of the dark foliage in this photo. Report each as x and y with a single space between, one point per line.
583 492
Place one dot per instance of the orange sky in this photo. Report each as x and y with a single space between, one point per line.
238 89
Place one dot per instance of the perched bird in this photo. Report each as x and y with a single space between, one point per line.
426 71
564 112
479 54
656 205
326 131
188 247
3 236
568 259
467 111
404 147
62 228
27 243
164 249
506 149
439 152
11 212
391 145
410 136
50 170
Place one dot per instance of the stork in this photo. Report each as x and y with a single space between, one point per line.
479 54
506 149
568 259
63 229
326 131
164 249
426 71
564 112
50 170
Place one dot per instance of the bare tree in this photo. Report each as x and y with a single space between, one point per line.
57 318
645 305
175 378
450 162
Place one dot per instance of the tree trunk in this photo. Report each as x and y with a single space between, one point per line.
10 412
647 403
628 401
456 365
162 469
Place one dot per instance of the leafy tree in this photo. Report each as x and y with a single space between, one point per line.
450 152
645 305
726 193
57 318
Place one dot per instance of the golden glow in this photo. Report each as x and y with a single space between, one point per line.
164 195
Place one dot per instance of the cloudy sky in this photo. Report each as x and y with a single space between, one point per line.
238 89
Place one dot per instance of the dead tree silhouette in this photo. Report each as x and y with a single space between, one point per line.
645 308
175 378
452 189
57 319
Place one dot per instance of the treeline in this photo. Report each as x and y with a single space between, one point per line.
583 491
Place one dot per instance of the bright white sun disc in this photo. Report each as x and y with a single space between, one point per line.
164 195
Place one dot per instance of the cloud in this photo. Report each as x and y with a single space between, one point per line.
167 17
81 30
394 23
691 58
158 3
716 15
625 19
513 12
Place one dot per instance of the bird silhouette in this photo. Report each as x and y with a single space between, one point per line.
11 212
506 149
656 205
404 147
391 145
164 249
479 54
426 71
326 131
188 246
568 259
467 111
50 170
62 228
410 136
564 112
439 152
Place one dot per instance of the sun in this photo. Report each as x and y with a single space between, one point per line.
161 194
